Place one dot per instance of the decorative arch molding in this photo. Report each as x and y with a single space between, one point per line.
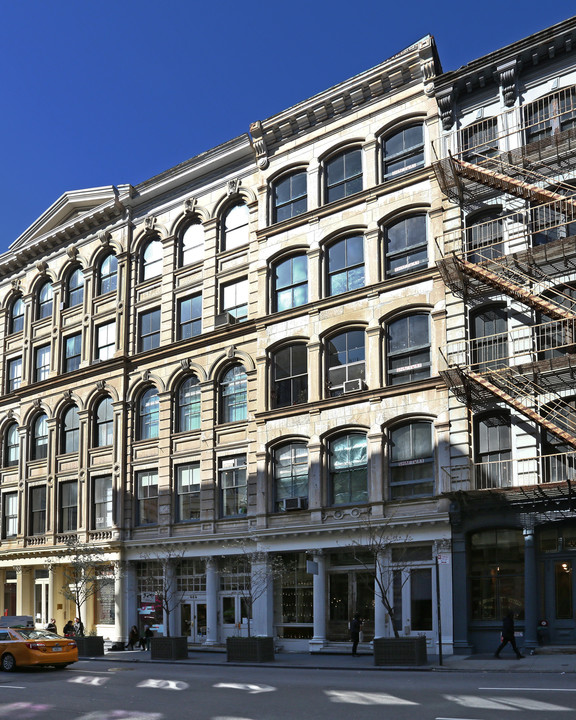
299 248
400 123
344 326
187 369
194 212
73 264
8 420
113 247
37 408
67 400
42 277
348 144
232 357
101 391
402 418
409 309
302 166
11 296
278 442
241 194
404 212
343 232
139 384
336 432
287 341
151 229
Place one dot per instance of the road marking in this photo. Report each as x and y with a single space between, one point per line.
363 698
81 680
251 689
506 703
163 684
13 687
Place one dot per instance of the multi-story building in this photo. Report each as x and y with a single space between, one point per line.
507 166
238 352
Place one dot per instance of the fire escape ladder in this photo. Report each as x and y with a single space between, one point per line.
511 388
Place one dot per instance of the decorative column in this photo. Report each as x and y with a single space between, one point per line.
530 592
319 603
262 622
212 582
380 614
129 598
119 602
462 645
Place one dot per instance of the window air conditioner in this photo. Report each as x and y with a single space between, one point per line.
353 386
224 318
296 503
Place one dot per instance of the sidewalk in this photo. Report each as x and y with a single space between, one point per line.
544 663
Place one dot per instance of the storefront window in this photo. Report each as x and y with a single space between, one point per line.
496 574
296 599
104 605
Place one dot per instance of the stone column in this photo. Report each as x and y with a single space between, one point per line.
119 604
212 582
319 603
129 597
262 622
462 645
380 613
530 592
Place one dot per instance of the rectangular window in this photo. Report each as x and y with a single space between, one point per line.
14 374
147 497
421 599
69 507
9 515
235 299
149 334
105 341
72 352
42 363
190 317
102 503
188 477
38 510
233 486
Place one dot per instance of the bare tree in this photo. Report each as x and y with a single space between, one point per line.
377 543
163 580
85 573
254 569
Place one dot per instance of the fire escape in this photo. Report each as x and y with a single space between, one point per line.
527 253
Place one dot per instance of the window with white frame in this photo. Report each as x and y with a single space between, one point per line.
45 301
14 374
9 515
233 486
233 394
108 274
68 506
72 352
289 196
189 405
152 260
234 298
70 430
12 446
192 244
106 341
235 227
346 360
346 265
411 460
37 510
147 485
103 503
149 330
492 450
348 469
76 288
104 423
290 376
148 415
42 363
291 476
290 283
189 317
188 487
408 351
405 246
39 445
17 315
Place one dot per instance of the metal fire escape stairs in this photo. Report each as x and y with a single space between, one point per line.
527 395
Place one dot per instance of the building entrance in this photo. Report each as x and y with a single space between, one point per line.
193 620
560 592
351 592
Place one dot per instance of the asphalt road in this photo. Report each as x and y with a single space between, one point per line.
108 691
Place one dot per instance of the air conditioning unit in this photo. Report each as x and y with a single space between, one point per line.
297 503
223 319
353 386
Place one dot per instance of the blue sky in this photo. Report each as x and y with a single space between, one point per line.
102 92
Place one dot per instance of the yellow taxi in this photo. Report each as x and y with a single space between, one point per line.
26 646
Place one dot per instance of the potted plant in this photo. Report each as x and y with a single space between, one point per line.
164 584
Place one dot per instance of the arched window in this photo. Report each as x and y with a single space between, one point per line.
148 415
346 265
152 259
17 315
484 237
489 345
70 430
289 196
550 115
290 283
348 469
108 275
291 477
346 362
555 338
12 445
403 151
405 246
192 244
343 175
492 450
233 395
290 376
104 423
39 445
408 351
558 463
235 227
480 140
411 458
45 301
76 288
189 405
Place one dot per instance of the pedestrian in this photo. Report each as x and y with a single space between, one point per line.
51 627
68 629
508 636
78 627
148 634
355 628
133 638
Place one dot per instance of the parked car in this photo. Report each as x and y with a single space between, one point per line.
26 646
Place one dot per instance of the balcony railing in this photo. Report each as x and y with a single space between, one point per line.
537 470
